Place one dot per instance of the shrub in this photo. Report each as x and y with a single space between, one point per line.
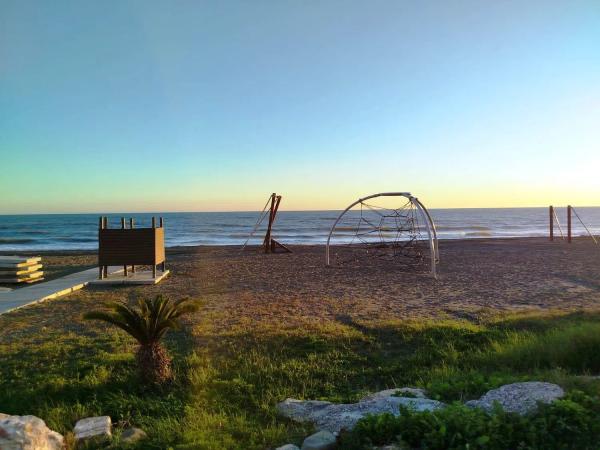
148 323
570 423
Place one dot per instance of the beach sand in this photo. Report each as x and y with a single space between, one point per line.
476 277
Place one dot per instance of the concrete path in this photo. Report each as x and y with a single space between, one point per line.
50 289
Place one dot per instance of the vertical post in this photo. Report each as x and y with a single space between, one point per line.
100 227
131 225
162 224
551 223
275 209
122 228
569 225
154 265
105 268
267 242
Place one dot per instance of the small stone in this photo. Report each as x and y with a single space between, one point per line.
27 433
96 428
288 447
322 440
133 434
520 398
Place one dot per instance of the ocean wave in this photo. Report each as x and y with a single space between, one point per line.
478 234
81 240
462 228
16 240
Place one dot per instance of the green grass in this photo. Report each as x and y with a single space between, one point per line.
229 380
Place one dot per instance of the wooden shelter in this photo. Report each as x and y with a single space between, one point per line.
130 246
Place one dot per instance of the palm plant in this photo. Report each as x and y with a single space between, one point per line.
148 323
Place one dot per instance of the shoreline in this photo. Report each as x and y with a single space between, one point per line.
191 248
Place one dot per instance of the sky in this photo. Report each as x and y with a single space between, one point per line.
128 106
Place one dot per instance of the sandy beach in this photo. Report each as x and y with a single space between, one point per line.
477 276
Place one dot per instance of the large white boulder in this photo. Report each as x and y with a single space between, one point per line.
521 398
27 433
334 417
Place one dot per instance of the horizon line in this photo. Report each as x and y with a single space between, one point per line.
257 211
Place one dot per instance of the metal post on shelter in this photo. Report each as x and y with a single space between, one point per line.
569 225
551 223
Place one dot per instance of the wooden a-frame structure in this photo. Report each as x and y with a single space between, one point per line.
271 245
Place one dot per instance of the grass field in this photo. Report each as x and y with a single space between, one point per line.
229 380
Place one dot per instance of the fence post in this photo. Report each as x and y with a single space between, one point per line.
551 223
569 227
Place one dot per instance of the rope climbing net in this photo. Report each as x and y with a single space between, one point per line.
402 232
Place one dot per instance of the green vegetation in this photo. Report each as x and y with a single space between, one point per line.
228 379
569 423
147 324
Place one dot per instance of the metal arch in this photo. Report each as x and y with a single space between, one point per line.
430 225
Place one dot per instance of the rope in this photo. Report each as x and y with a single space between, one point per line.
396 229
559 227
262 216
586 228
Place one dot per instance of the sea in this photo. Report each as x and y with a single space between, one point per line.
80 231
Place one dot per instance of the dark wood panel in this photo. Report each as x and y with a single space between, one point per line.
138 246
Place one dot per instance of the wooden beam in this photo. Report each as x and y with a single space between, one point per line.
267 241
551 223
569 225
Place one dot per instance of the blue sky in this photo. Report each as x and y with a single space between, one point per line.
148 106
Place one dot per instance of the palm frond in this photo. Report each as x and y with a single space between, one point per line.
149 321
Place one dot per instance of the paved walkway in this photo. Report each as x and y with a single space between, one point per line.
47 290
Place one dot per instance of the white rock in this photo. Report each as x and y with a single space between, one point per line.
27 433
322 440
133 434
334 417
93 428
521 398
396 392
288 447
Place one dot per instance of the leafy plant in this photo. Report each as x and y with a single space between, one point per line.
570 423
148 323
